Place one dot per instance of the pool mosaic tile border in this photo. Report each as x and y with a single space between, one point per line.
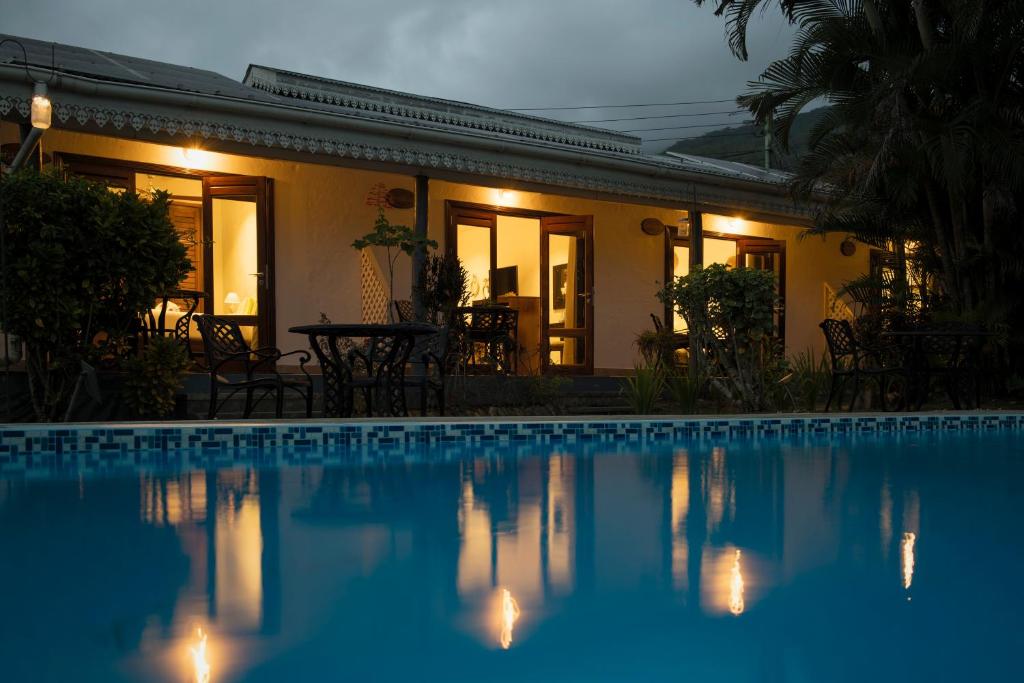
29 447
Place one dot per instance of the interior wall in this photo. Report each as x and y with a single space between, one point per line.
234 254
475 253
519 245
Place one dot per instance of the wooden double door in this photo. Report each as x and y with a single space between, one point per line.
554 280
226 224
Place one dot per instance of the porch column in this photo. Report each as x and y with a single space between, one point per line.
696 259
419 257
696 238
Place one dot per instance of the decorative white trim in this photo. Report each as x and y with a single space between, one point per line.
68 114
438 112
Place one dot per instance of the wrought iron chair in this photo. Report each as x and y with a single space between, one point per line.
224 344
851 360
155 319
378 371
491 335
404 310
430 361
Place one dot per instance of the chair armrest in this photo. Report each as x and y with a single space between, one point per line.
304 357
237 355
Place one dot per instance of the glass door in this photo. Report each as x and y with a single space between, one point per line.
239 253
769 255
567 294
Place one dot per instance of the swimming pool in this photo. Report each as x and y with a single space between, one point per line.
802 557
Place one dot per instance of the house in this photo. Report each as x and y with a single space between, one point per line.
270 177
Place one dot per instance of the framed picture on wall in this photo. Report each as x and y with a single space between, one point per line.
559 279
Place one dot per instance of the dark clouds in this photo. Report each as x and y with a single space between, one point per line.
504 53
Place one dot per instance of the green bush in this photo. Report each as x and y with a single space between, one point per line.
811 377
82 264
154 377
443 286
644 389
684 390
730 315
657 348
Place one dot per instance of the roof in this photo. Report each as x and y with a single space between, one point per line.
298 113
108 66
731 169
342 96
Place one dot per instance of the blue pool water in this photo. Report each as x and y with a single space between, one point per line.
882 558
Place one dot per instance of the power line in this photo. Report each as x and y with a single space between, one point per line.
639 130
664 116
692 137
621 106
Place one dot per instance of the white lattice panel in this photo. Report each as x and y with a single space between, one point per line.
374 293
835 307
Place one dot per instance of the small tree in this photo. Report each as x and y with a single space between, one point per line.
729 312
83 264
443 286
396 240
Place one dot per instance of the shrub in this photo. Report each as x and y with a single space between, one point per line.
657 348
154 377
729 312
443 286
684 390
644 388
83 264
811 376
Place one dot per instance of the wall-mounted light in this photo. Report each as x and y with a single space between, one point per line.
683 226
42 110
504 197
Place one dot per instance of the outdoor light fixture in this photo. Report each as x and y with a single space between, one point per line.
683 226
42 109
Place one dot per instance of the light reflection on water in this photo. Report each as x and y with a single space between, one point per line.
595 565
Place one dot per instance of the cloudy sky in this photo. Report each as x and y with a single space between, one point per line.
502 53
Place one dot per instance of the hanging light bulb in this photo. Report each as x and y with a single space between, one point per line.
42 109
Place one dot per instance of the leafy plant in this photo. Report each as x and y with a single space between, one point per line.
657 348
443 286
644 388
729 312
810 381
684 390
920 149
395 240
154 377
544 390
83 264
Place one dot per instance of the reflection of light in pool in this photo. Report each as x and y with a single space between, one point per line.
200 664
909 538
509 615
736 604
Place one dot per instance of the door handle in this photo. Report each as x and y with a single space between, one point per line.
260 278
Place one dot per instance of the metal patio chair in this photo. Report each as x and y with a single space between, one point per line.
224 346
851 360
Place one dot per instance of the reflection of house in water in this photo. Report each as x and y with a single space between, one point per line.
227 522
517 521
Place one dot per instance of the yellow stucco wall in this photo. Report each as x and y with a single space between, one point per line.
319 210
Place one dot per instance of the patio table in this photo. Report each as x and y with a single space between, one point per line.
947 352
377 367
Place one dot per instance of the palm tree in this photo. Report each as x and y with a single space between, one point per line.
923 144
